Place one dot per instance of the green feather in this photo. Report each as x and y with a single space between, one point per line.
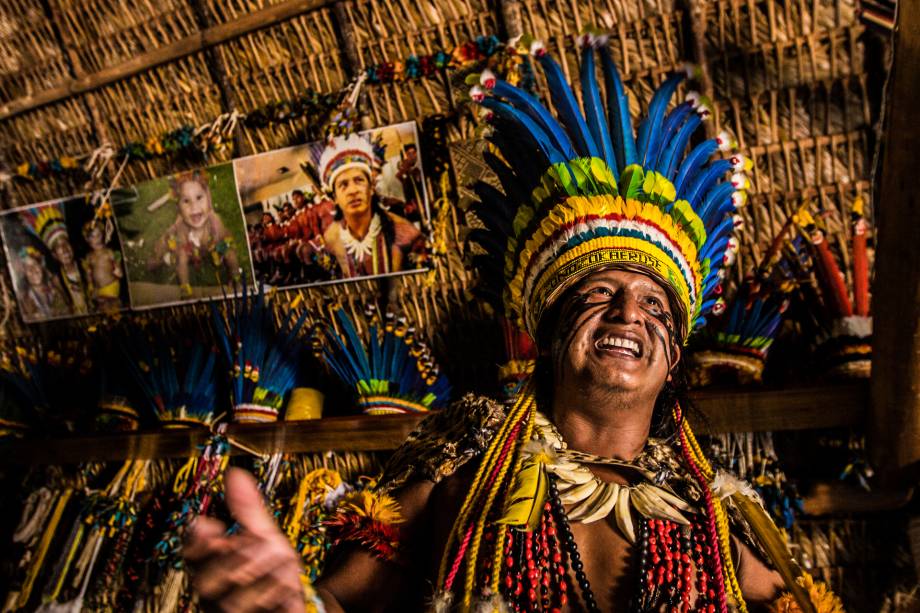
658 189
683 214
602 176
631 182
582 185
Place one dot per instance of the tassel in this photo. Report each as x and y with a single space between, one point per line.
831 277
442 602
860 262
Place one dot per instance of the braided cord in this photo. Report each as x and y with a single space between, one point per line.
486 466
721 519
691 457
492 494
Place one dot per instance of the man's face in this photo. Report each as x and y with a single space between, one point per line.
615 331
352 189
33 270
194 204
63 252
298 200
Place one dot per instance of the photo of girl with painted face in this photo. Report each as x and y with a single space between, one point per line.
184 238
41 296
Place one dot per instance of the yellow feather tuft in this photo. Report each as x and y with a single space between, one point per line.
524 504
378 507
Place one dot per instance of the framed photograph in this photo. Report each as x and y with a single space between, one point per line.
351 208
184 238
65 259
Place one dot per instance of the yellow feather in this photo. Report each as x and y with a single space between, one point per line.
524 504
774 544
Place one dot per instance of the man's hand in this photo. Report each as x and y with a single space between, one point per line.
254 570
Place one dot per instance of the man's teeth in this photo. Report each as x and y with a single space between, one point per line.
615 341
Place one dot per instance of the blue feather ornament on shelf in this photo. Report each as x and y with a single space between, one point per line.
260 353
391 372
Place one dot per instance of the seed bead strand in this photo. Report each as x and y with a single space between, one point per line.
568 539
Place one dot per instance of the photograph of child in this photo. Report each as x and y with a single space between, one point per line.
65 259
351 207
184 238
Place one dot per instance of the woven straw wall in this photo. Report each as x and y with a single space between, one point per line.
790 82
788 79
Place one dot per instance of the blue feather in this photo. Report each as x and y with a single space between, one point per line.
693 162
672 124
567 107
668 161
705 179
651 127
621 128
591 97
534 108
527 128
713 207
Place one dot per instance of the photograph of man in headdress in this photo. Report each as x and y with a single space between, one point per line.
368 237
296 216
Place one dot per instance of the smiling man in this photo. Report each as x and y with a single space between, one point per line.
587 490
364 238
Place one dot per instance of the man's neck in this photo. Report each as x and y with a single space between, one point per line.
358 226
613 426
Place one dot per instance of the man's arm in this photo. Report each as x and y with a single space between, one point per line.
359 581
759 584
257 568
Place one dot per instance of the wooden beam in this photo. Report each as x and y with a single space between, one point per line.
894 425
194 43
725 411
835 406
836 498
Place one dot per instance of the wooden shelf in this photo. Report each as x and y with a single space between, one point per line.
726 411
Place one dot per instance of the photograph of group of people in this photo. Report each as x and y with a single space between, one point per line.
354 207
351 207
65 259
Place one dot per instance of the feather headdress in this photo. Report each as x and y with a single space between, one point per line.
842 306
582 191
342 153
176 379
46 222
261 354
740 334
392 373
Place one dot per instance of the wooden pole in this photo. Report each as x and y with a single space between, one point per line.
894 424
194 43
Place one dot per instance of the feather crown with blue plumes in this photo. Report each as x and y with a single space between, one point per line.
261 352
582 191
176 378
392 372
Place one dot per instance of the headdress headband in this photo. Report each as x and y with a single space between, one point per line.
46 222
342 153
583 192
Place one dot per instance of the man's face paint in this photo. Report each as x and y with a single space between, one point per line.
616 331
